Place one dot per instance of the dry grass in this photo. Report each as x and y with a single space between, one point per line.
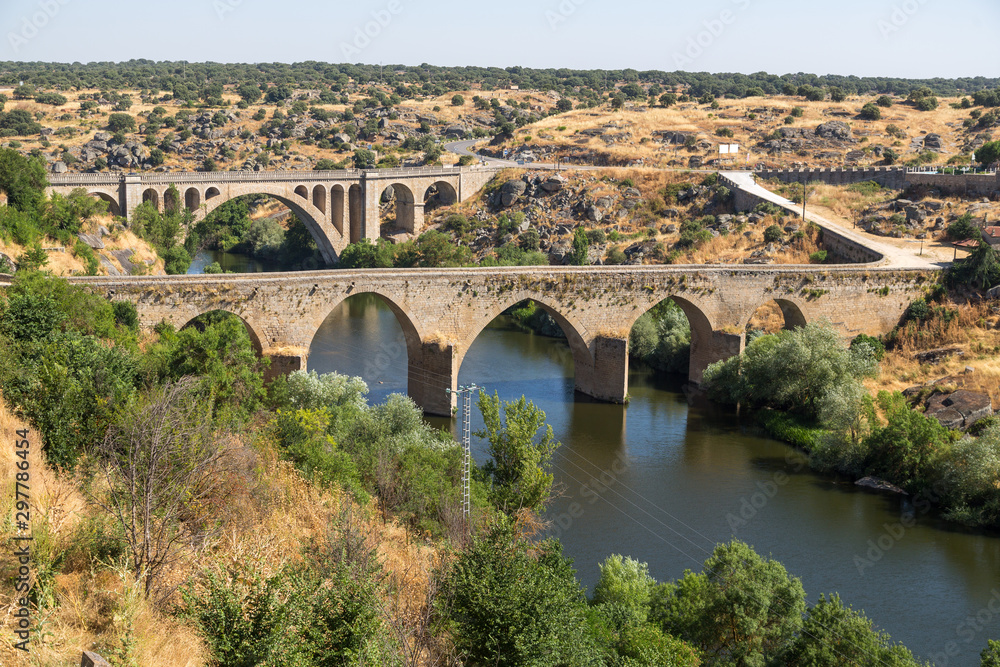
267 512
974 330
641 122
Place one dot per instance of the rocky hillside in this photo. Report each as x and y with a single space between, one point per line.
778 131
629 217
134 130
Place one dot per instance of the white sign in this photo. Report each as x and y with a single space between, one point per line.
729 149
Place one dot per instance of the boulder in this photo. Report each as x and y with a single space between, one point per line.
834 129
594 214
554 183
936 355
103 136
959 410
92 240
879 485
59 167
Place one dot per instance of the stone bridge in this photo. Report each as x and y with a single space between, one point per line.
338 207
442 311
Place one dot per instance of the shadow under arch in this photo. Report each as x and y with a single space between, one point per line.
702 333
310 216
791 313
576 334
412 336
438 194
202 320
113 207
405 210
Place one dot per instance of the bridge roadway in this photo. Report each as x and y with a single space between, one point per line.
442 311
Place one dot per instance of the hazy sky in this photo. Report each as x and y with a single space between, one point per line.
907 38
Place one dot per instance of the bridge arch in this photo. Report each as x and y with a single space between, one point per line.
405 209
704 343
302 191
327 239
319 197
114 207
579 338
766 315
171 200
337 207
255 339
439 193
212 193
152 196
356 212
192 199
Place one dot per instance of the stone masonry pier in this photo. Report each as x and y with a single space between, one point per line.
442 311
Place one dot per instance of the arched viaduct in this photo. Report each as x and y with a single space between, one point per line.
338 207
441 312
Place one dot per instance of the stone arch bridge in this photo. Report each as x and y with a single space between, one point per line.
338 207
442 311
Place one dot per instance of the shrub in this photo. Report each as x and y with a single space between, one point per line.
791 370
773 234
121 122
871 112
884 101
615 256
876 346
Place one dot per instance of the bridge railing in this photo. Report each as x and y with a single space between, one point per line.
162 178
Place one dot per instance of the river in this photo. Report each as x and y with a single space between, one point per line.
665 479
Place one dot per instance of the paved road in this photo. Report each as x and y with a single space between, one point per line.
893 256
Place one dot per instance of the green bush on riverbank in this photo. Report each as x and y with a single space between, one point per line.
809 385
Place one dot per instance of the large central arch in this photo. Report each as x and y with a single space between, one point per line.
327 238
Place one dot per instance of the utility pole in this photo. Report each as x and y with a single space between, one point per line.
803 200
465 396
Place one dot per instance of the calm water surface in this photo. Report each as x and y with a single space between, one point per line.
667 478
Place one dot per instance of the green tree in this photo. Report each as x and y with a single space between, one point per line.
791 370
871 112
22 180
518 469
884 101
510 603
121 122
457 101
668 99
740 610
580 246
218 350
625 582
563 105
32 259
988 154
990 656
364 159
249 92
834 635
